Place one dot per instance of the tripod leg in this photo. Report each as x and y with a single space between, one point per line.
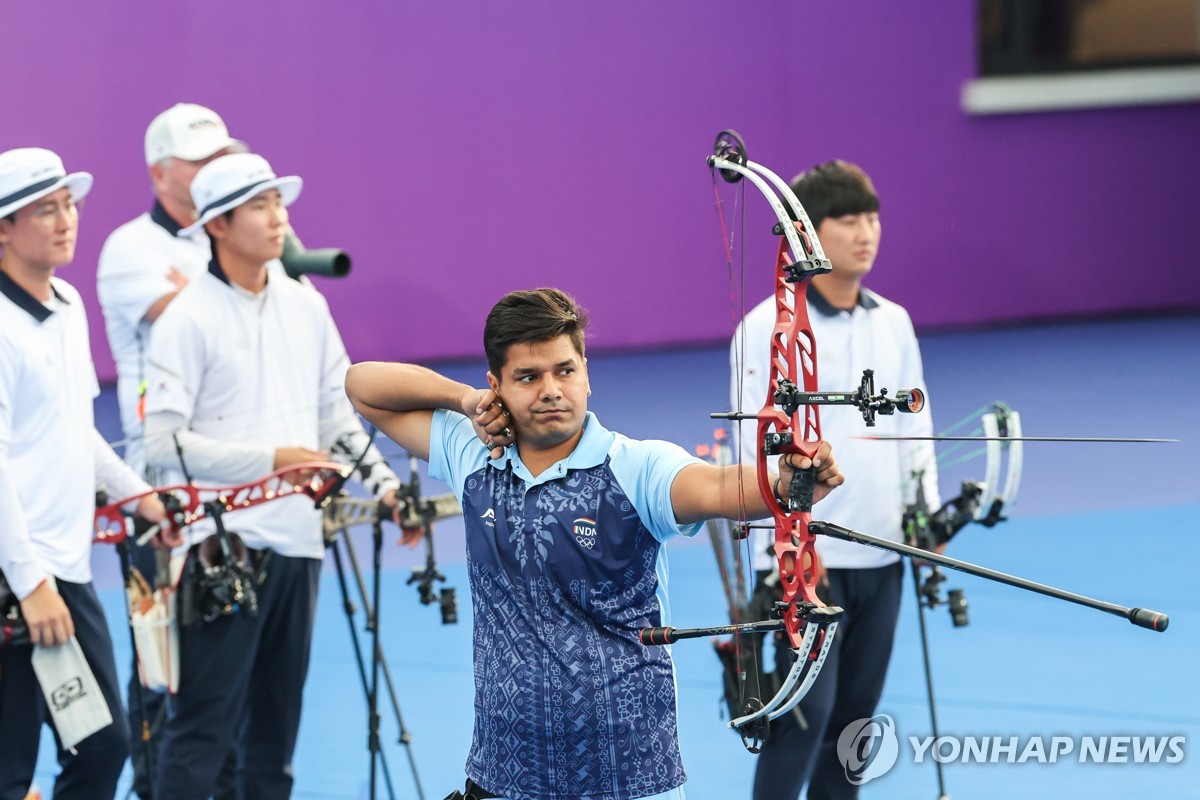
349 607
405 735
916 573
373 616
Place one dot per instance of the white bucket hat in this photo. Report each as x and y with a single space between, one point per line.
187 131
28 174
227 182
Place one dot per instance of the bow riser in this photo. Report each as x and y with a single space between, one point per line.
793 363
320 482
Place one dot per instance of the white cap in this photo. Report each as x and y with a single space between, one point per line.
226 182
187 131
28 174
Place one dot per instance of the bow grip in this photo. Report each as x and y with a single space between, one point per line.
800 491
1146 618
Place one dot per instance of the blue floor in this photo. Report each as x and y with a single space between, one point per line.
1115 522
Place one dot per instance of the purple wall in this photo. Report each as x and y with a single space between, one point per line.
459 150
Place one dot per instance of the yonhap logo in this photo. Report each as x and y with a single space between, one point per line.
868 748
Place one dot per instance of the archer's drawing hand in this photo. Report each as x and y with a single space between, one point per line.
492 423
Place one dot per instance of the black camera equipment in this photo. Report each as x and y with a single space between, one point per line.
958 608
929 594
222 575
930 531
415 513
226 580
297 260
418 513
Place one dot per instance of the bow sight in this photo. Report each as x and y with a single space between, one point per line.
789 398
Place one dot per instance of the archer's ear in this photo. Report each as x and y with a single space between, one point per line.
493 382
217 227
156 175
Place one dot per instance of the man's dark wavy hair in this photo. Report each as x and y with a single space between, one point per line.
536 315
835 189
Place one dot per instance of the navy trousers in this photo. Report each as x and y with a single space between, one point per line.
92 772
242 680
848 688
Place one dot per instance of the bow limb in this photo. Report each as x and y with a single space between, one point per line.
1000 424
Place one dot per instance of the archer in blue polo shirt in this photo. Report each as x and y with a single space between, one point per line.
565 524
566 568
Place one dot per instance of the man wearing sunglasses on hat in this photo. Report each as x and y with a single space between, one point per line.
52 459
245 373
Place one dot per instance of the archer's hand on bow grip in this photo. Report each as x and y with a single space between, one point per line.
808 479
165 513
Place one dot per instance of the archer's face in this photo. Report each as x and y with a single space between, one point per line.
544 387
256 230
851 242
42 235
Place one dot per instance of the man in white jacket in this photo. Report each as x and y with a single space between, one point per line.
52 460
245 375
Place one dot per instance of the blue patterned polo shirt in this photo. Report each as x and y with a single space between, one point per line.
565 569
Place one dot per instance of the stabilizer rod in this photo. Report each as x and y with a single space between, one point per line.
669 635
1142 617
